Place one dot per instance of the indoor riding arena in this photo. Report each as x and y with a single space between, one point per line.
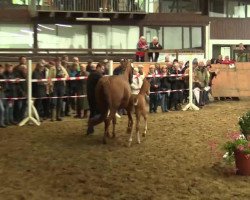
124 99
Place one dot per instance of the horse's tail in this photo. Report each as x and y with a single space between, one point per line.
104 103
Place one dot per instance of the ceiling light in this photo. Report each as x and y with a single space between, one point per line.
63 25
46 27
27 31
93 19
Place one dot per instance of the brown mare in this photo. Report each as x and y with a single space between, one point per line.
139 103
113 93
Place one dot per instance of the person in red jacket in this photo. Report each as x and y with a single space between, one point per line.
227 61
142 46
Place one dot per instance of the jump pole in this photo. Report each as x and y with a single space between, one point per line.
190 105
32 112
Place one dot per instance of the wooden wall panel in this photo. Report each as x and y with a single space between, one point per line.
226 28
233 82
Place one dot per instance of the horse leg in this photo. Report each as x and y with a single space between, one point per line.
138 127
106 132
114 123
130 118
146 124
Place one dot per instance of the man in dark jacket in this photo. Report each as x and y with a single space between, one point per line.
165 86
20 105
154 45
92 81
10 92
154 87
39 89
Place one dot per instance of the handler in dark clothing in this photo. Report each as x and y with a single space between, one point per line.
92 81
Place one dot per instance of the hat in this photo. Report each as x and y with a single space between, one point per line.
105 60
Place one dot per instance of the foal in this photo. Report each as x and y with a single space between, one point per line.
139 103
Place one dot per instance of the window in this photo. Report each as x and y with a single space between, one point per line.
16 36
60 36
20 2
218 8
152 6
228 8
189 5
236 9
150 32
186 35
173 37
169 6
115 37
176 37
173 6
196 37
248 10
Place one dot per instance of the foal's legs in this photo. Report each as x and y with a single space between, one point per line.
130 119
146 123
138 116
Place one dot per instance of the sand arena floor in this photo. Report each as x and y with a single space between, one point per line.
57 161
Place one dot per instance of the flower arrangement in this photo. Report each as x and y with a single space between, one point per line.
238 146
237 142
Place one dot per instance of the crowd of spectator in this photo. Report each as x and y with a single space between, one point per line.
52 98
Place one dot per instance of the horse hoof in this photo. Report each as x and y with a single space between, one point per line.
144 135
90 130
128 130
138 142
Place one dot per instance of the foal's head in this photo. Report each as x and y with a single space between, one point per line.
128 69
145 88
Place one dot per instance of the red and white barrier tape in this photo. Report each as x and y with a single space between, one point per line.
83 96
85 77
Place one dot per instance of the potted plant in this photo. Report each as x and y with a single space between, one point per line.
238 146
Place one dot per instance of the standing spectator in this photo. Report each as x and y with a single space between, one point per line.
106 66
219 59
241 55
20 105
154 87
2 101
58 89
10 92
89 66
227 61
142 46
177 83
120 69
73 84
82 103
154 45
66 101
39 89
157 68
201 79
165 86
